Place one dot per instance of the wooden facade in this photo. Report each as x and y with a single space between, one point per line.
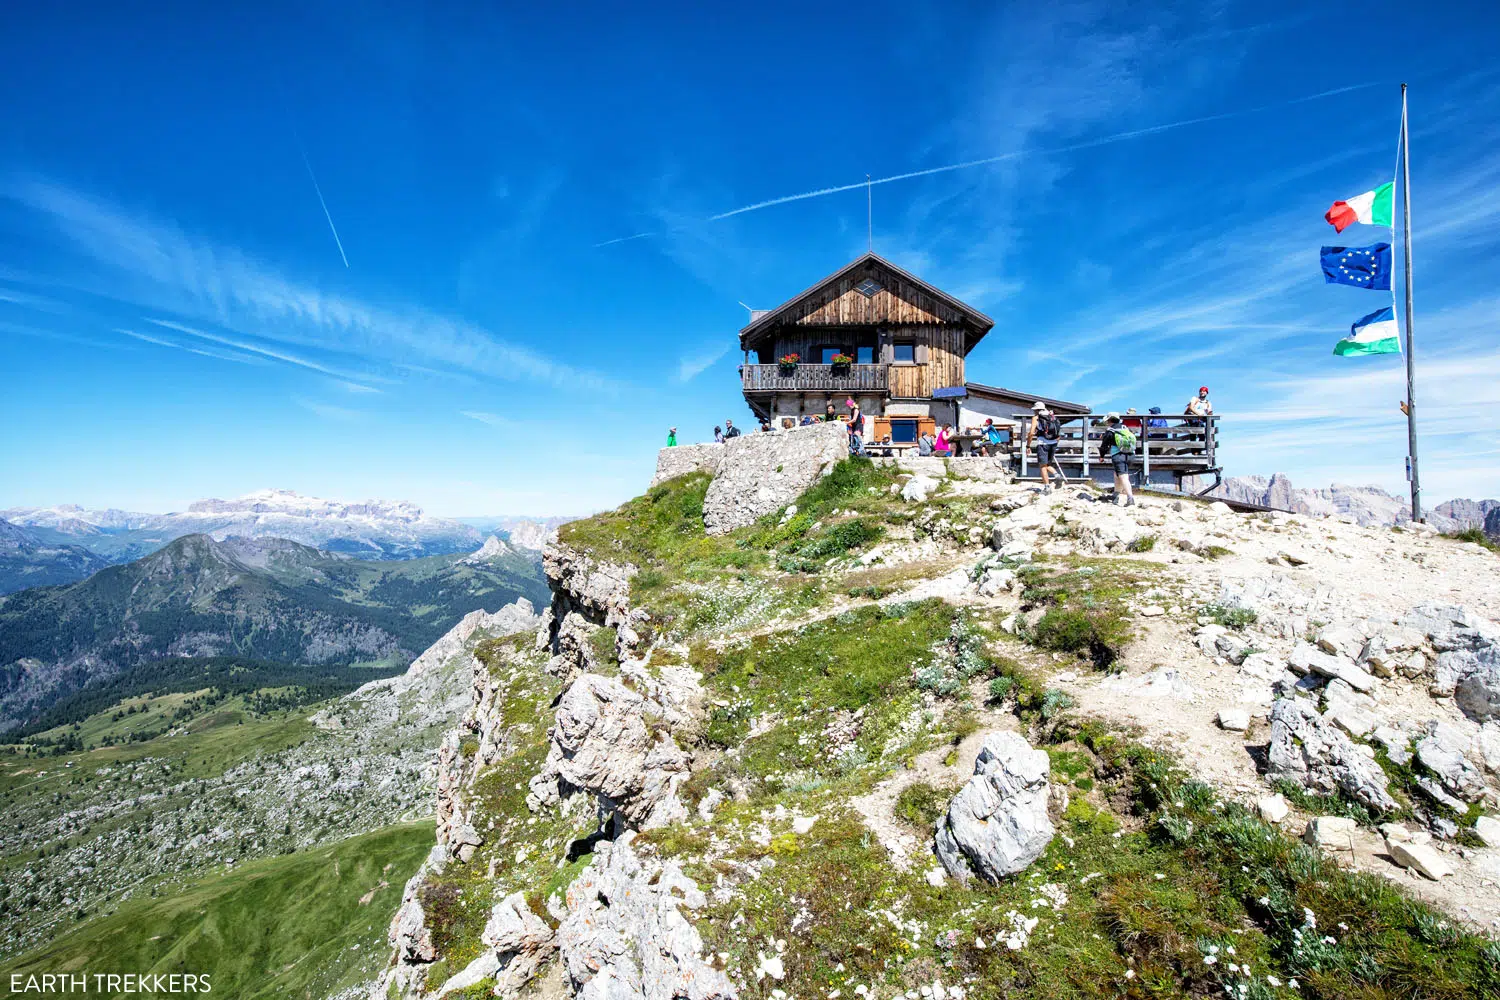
908 339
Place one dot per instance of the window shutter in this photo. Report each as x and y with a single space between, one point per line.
921 354
887 351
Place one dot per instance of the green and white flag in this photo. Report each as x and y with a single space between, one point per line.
1375 334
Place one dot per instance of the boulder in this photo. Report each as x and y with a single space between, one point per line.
1272 808
625 936
1307 658
997 824
482 968
1487 829
1444 752
1472 676
917 488
1330 833
1234 719
1422 858
521 943
1308 749
409 934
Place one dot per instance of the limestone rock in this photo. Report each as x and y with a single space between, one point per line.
1341 640
1306 658
521 942
1234 719
1487 829
1422 858
1272 808
1330 833
625 936
1443 751
1397 744
1308 749
1487 744
917 488
483 967
605 742
997 824
409 934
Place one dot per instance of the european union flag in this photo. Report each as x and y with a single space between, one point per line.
1362 267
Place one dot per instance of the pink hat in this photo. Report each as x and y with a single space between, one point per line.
849 402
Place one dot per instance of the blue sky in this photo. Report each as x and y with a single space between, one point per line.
177 320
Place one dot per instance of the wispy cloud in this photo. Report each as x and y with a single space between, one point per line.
207 352
690 367
157 267
242 345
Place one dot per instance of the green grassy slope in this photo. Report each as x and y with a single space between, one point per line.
293 926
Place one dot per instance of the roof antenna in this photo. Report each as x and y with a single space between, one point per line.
869 213
748 310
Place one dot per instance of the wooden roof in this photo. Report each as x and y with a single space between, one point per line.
1023 398
903 298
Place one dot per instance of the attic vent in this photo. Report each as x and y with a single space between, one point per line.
868 287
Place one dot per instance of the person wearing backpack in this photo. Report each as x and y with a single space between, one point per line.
1045 431
1118 444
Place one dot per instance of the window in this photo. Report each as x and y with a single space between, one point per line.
826 354
868 288
865 356
903 432
904 352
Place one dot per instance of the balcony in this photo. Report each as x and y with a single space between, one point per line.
813 378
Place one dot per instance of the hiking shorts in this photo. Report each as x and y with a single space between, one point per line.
1121 462
1046 453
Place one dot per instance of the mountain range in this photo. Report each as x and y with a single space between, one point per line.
28 560
41 546
1367 505
274 601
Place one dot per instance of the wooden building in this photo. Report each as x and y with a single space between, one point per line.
904 342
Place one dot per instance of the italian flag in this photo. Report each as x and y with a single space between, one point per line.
1375 334
1373 208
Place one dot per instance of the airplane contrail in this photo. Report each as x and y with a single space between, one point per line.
326 214
985 161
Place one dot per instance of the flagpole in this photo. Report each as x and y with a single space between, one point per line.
1411 400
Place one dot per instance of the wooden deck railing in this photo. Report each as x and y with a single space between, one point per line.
854 378
1176 441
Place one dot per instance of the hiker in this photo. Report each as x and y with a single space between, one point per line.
718 434
765 425
856 429
1133 421
992 438
1044 432
1117 443
925 444
829 416
730 431
672 437
807 420
941 447
1199 405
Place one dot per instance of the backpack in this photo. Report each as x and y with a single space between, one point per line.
1125 440
1049 427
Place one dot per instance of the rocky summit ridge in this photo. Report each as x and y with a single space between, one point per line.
1366 504
917 734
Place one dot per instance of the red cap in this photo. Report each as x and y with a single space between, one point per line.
1203 388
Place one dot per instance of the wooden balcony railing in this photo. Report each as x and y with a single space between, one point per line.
854 378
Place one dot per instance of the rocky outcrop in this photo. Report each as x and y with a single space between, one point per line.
759 474
997 824
614 743
625 936
1310 750
1468 660
1367 505
521 943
